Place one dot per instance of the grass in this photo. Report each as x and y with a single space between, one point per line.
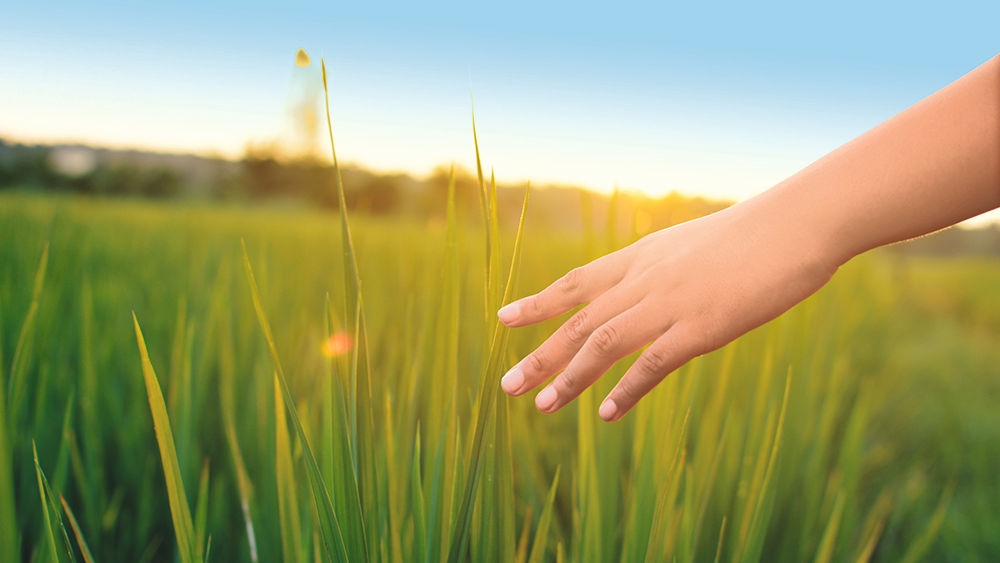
860 426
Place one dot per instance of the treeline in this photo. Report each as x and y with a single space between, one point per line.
260 176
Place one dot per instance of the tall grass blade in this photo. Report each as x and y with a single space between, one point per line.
201 508
51 549
918 549
10 541
187 545
288 506
486 404
826 545
331 533
80 542
361 407
90 415
22 351
544 522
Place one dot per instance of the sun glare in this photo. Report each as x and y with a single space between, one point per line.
338 344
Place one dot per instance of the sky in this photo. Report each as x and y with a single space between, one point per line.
721 100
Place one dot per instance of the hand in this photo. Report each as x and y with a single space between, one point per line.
685 291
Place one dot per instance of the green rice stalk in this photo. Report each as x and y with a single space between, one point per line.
50 551
10 540
50 512
874 524
22 351
417 503
764 488
90 415
361 404
332 535
288 506
80 542
826 545
485 404
544 522
918 548
188 549
201 507
719 544
227 387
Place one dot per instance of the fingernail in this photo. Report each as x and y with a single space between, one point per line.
546 399
509 312
512 381
608 410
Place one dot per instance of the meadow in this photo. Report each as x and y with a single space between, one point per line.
859 426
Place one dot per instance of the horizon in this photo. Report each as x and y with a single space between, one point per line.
720 104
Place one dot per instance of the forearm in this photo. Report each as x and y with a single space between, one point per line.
933 165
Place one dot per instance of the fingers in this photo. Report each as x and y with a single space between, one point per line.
608 343
557 351
667 353
580 285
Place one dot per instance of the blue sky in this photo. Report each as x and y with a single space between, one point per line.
722 100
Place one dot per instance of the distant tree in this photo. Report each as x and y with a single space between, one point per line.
436 193
262 176
117 180
160 182
380 195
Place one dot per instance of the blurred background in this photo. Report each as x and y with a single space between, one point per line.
714 101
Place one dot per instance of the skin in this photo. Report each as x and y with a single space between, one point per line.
692 288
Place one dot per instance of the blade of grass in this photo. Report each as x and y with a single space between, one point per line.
80 542
10 541
90 415
361 403
764 490
22 351
918 548
826 545
719 544
180 512
201 508
226 389
874 523
332 535
486 405
50 547
542 535
288 506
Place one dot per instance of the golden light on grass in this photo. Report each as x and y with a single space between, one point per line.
302 58
338 344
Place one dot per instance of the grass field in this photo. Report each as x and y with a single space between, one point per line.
861 425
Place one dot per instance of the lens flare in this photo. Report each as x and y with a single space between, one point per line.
338 344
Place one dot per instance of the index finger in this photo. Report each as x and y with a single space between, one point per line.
579 285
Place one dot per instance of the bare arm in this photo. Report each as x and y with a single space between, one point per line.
694 287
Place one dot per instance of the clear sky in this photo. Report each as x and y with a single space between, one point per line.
708 98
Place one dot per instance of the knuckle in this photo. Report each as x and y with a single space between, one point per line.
536 361
606 340
570 380
575 329
626 392
571 282
700 338
652 363
532 306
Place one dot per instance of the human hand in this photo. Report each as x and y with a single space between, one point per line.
685 291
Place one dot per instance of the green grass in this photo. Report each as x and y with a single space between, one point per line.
859 426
